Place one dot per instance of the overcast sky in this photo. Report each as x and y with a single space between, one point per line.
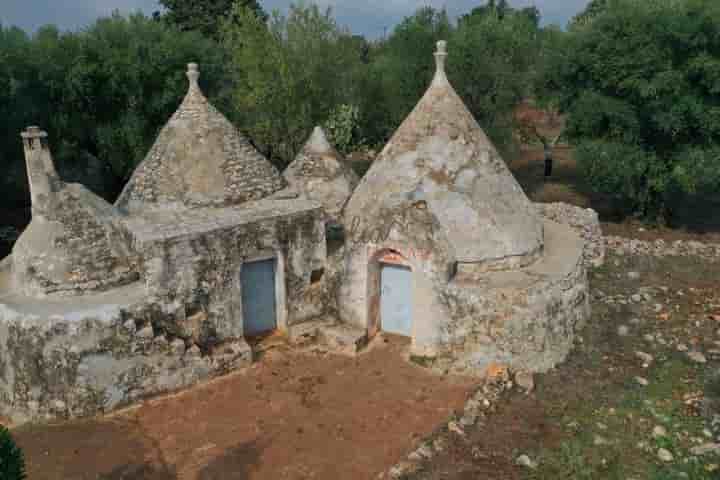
367 17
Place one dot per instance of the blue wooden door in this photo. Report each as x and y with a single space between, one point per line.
396 299
258 297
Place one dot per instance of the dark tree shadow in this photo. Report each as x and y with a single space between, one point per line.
140 472
236 463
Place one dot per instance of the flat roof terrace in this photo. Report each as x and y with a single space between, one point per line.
162 225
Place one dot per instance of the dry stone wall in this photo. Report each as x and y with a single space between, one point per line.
525 319
77 247
585 222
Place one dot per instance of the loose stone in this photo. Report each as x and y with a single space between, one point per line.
665 455
526 461
697 357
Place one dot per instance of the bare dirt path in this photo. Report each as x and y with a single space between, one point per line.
290 416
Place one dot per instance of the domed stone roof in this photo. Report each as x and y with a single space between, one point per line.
442 159
321 174
199 160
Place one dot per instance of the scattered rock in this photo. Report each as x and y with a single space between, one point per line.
697 357
705 448
646 358
525 380
623 330
598 440
527 462
402 469
456 428
664 455
633 275
439 444
637 298
642 381
659 431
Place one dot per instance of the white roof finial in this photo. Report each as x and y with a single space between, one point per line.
441 55
193 74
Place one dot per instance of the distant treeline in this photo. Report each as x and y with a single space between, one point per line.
640 81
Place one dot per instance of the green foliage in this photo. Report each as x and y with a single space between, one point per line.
205 16
12 462
491 64
642 79
400 71
290 74
343 129
104 91
492 54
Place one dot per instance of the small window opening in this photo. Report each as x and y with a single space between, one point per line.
317 275
453 271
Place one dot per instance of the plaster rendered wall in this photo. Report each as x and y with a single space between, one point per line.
412 235
196 276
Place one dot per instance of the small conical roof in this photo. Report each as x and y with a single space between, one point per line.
442 157
199 159
320 173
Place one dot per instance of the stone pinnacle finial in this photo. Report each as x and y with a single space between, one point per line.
34 137
193 74
441 55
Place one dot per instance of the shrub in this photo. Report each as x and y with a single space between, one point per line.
12 463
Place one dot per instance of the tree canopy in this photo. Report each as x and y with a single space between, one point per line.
206 16
641 83
100 93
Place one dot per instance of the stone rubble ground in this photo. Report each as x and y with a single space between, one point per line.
483 401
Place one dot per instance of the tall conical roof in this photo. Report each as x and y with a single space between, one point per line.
442 157
199 159
320 173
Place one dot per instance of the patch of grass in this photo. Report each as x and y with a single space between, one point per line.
615 440
423 361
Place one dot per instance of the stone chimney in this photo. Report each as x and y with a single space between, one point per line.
42 177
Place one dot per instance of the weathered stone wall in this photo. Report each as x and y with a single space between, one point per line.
525 319
81 357
76 246
195 272
584 221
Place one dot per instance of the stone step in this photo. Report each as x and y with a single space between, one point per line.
328 332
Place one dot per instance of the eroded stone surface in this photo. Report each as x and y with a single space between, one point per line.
321 174
199 160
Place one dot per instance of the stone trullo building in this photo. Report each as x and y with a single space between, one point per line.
102 305
319 173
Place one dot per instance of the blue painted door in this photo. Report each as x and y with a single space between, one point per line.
396 299
258 297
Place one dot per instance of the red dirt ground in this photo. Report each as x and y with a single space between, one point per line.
290 416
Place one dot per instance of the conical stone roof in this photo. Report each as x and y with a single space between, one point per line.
441 158
199 160
320 173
